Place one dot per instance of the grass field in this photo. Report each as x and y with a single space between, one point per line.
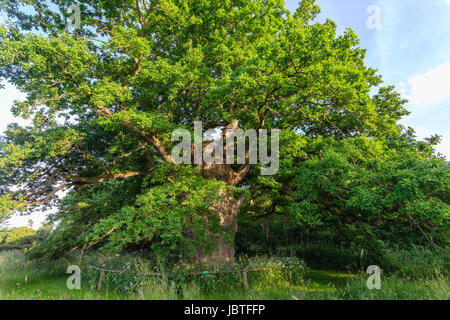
23 279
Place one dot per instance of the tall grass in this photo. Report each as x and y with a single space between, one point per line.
14 268
23 279
396 288
287 278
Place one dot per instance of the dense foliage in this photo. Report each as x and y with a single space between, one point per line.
104 99
17 236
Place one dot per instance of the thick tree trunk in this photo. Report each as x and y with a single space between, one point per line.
227 211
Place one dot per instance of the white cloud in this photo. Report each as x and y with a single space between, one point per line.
427 130
432 86
7 97
403 90
444 147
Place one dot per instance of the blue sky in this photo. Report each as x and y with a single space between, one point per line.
411 50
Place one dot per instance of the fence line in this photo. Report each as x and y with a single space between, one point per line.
104 270
124 272
15 246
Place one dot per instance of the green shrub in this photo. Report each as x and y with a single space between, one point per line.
330 258
417 263
278 271
17 236
122 283
176 280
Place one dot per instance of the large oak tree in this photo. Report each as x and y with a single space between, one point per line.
104 99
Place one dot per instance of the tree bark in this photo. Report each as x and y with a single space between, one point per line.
227 211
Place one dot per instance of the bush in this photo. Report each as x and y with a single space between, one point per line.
120 283
417 263
17 236
176 279
279 271
332 258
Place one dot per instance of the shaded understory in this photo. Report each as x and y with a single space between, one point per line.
22 279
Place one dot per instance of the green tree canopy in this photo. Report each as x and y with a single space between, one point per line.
104 99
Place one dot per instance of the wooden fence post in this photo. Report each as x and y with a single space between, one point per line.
245 281
99 286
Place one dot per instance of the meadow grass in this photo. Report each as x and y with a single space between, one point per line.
21 279
30 280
